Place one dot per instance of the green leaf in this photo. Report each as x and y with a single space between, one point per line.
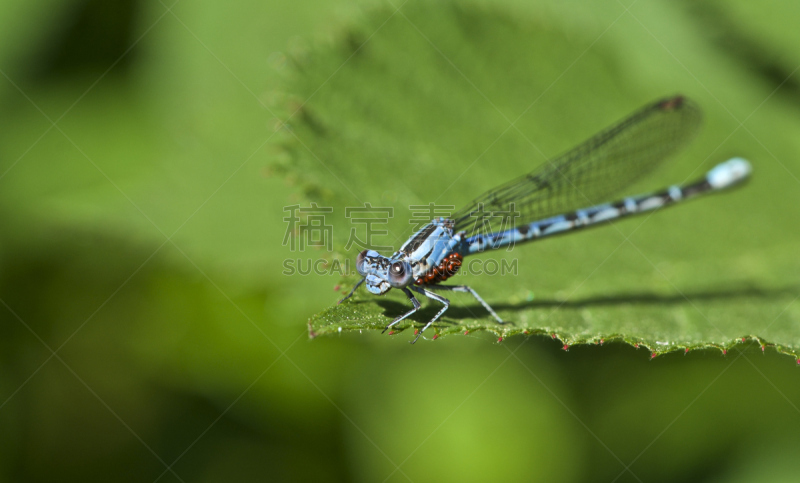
421 110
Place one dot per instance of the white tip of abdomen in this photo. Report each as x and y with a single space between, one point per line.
729 173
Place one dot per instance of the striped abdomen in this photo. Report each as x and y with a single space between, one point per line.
722 176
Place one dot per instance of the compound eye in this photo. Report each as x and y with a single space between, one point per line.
399 274
360 262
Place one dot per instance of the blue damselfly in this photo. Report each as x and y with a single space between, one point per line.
548 202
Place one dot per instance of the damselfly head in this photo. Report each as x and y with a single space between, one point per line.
377 285
370 261
382 273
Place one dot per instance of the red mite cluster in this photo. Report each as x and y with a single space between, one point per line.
443 271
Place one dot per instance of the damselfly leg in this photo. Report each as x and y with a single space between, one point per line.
435 297
414 302
358 284
466 289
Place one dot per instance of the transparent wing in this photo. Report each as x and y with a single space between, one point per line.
590 173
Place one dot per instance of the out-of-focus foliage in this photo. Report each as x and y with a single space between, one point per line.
142 243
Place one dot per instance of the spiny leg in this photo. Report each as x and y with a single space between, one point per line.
416 304
352 291
466 289
433 296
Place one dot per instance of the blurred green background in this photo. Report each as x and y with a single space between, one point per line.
149 334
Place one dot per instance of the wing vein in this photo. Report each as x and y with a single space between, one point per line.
591 172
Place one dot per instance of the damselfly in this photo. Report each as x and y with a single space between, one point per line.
548 202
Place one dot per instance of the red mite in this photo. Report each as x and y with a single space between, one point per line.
446 269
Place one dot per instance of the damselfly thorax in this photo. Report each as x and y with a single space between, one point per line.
432 255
